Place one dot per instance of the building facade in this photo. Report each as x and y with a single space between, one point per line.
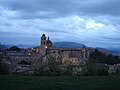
65 56
17 57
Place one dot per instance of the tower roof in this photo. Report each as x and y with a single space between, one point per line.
49 42
43 35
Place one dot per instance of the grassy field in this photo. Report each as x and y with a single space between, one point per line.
59 83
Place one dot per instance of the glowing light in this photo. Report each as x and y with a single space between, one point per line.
46 47
29 53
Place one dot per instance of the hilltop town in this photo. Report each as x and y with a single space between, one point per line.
46 55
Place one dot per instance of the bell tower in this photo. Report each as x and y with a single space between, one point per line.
43 41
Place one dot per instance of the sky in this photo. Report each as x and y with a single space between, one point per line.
95 23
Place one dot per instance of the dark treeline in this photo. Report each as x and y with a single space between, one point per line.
14 48
3 67
100 57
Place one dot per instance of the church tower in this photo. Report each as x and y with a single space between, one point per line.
43 41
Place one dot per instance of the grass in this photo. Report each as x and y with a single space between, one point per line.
59 83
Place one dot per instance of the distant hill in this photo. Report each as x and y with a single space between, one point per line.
115 51
56 44
102 49
4 47
68 45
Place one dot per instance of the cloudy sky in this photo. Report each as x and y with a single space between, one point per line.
92 22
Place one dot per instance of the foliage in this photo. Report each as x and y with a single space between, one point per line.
50 69
100 57
37 63
3 67
68 71
53 66
14 48
92 69
24 62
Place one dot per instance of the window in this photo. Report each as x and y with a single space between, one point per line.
44 43
44 38
54 52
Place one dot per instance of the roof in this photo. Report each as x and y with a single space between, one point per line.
43 35
49 42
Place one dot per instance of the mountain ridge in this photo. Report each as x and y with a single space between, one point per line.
68 45
64 44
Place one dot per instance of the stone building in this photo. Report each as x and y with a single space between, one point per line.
65 56
17 57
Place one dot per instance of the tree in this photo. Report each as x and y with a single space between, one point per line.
14 48
68 70
24 62
92 69
95 55
38 67
3 67
100 57
112 59
53 66
117 59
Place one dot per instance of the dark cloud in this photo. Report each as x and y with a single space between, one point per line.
111 7
91 21
52 8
